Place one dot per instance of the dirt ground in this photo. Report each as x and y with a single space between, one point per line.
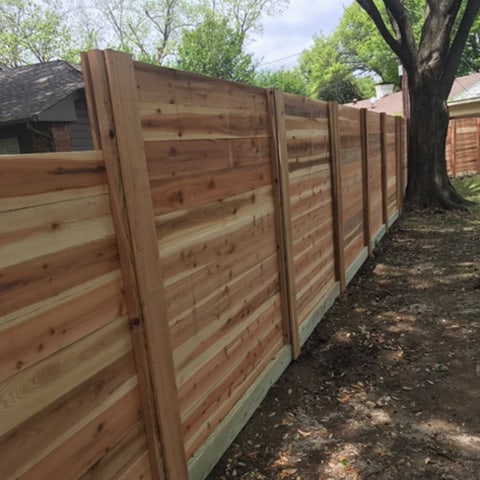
388 386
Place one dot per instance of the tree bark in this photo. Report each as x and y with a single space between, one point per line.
431 68
428 182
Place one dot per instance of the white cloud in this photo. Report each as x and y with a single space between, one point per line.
293 31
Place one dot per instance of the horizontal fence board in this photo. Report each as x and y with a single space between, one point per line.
50 275
197 190
27 339
55 376
127 459
49 172
31 441
88 446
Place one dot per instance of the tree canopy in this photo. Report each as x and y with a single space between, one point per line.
150 30
327 76
32 32
363 49
214 48
291 81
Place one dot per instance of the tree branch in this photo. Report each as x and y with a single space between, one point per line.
397 10
401 50
458 43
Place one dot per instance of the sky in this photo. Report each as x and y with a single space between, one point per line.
290 33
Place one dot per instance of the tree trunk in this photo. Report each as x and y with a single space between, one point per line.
428 182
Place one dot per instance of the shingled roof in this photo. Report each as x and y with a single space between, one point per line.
392 104
27 91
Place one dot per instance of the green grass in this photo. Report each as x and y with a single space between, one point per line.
470 189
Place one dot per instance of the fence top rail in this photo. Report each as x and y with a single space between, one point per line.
175 74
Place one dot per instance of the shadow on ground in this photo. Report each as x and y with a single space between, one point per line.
388 386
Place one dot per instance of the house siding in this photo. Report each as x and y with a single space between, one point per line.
80 130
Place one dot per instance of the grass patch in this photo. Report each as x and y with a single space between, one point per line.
470 189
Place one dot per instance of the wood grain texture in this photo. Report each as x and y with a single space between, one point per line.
34 388
90 443
29 442
462 147
276 108
147 265
49 172
100 104
337 200
209 158
374 172
65 349
365 181
308 148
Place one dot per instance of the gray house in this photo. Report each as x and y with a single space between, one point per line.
43 109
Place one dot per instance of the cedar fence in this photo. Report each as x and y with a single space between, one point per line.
463 147
152 290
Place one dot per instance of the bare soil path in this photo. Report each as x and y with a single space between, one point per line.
388 386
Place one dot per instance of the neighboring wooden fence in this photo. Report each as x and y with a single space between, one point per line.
463 147
152 291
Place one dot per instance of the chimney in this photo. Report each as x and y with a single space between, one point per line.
383 89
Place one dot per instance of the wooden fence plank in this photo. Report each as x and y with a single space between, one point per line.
398 162
453 150
276 109
383 147
402 145
95 75
94 65
337 204
128 135
366 189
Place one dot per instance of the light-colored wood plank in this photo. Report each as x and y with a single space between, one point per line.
123 457
276 109
129 141
38 231
203 188
33 389
31 441
337 200
214 446
80 452
30 174
243 383
100 103
37 280
383 143
140 470
31 337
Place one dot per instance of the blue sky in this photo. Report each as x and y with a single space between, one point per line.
292 32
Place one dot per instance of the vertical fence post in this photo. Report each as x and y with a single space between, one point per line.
454 148
276 113
365 177
117 119
337 204
383 149
403 147
398 163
